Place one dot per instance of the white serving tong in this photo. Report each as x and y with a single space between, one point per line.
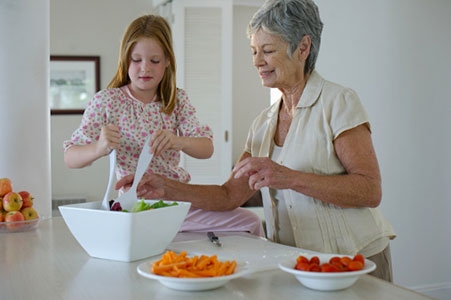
106 202
129 198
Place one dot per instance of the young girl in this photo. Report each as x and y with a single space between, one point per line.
142 100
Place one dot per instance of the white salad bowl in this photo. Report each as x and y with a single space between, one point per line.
124 236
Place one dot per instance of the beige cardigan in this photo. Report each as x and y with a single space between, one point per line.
324 111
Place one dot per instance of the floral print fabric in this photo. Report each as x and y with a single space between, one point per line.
136 121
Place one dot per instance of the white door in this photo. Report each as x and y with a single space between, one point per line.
202 33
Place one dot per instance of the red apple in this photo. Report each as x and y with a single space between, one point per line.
5 186
29 213
13 217
2 215
12 202
27 199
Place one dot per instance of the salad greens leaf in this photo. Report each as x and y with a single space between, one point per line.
142 205
160 204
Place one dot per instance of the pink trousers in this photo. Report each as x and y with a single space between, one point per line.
239 219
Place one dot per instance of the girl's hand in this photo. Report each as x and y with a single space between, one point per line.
109 139
163 140
262 172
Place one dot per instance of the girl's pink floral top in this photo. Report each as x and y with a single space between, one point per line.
136 122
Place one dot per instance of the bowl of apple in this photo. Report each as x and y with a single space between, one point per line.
17 213
143 232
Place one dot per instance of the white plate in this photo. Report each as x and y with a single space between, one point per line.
260 254
192 284
326 281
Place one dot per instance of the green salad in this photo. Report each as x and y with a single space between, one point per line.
143 205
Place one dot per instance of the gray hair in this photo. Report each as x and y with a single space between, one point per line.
291 20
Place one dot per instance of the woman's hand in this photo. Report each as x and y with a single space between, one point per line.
358 186
150 186
109 139
262 172
163 140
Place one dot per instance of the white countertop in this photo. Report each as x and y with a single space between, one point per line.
48 263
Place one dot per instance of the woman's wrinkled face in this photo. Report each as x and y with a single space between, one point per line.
147 64
270 58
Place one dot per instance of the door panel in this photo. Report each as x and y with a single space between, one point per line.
202 42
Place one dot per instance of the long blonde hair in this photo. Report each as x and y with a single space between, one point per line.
157 28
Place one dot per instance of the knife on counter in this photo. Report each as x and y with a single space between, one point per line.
214 239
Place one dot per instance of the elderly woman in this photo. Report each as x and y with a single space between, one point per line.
310 153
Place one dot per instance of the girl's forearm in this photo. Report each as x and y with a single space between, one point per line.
77 157
200 148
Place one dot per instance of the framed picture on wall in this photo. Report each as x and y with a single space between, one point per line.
73 82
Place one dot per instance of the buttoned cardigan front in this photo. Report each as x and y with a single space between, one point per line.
324 111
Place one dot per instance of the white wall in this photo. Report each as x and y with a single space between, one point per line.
394 53
24 113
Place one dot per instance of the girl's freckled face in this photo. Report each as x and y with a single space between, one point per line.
147 65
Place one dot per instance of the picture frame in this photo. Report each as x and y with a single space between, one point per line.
73 82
